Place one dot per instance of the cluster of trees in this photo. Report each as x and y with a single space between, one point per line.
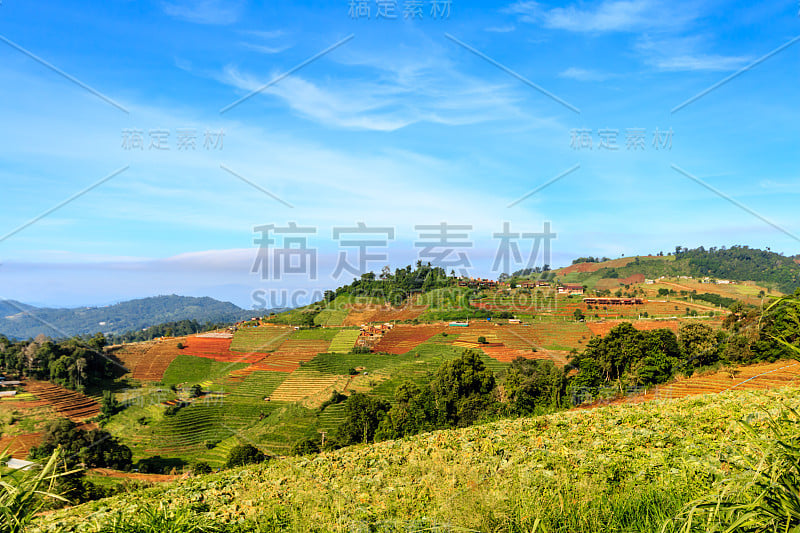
628 357
75 363
590 259
715 299
462 392
80 449
395 287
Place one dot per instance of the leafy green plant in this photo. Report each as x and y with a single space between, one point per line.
765 495
25 493
160 519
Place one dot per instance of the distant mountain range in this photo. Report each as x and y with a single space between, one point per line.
22 321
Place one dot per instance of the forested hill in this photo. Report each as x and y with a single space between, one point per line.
16 320
739 263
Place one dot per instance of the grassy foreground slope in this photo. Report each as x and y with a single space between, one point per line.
618 468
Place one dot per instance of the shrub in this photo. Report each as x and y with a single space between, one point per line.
244 454
307 446
200 468
352 371
481 340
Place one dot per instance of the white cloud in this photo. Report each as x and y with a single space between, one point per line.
389 92
501 29
205 11
607 16
701 62
580 74
678 54
266 49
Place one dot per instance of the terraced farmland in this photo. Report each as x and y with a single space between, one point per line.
257 385
754 377
18 446
344 341
366 314
70 404
309 386
148 361
260 339
602 328
403 338
292 353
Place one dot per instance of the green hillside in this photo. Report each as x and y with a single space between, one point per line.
739 263
622 468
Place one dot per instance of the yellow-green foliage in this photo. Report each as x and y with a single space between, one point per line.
621 468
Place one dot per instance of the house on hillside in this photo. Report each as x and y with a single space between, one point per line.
571 289
613 301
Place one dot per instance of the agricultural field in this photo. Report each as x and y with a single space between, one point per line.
372 313
315 334
147 361
67 403
344 341
403 338
622 467
259 339
747 292
190 369
331 317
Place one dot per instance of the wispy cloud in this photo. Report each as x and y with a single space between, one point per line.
675 54
581 74
387 95
205 11
267 41
266 49
607 16
501 29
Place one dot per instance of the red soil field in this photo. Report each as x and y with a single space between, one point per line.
18 446
506 354
71 404
762 376
602 328
594 267
218 350
367 313
403 338
613 283
154 362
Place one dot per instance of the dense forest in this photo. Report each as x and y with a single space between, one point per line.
75 363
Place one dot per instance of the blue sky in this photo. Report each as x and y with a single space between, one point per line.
394 123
